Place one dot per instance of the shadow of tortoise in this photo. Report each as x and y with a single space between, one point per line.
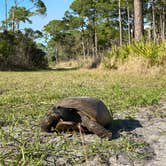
119 125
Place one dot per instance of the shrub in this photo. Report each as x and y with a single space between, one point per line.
152 52
18 51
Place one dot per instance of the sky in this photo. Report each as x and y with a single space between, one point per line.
55 10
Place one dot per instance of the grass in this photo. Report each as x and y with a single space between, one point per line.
26 96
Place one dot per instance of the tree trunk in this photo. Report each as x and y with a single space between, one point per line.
128 20
138 20
94 39
94 35
13 26
163 25
57 46
13 15
96 49
83 43
149 35
154 25
6 22
83 48
120 24
88 44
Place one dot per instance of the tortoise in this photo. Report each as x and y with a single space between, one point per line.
83 113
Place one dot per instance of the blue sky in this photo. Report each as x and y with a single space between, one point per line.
55 10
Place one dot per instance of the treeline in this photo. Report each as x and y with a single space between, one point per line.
94 29
18 49
91 27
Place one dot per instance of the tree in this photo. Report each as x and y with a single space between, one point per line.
155 16
6 23
95 26
63 42
128 21
120 24
13 15
75 23
19 13
138 20
88 10
154 21
159 8
18 51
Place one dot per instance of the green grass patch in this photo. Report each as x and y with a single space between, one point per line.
26 96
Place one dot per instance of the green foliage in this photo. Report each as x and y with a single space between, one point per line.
21 14
153 52
93 26
17 51
41 8
63 43
6 46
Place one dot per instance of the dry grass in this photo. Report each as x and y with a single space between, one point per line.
66 64
132 65
140 65
77 63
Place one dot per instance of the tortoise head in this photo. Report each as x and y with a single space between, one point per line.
53 116
50 119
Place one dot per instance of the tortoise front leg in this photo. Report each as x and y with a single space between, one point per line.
95 127
50 120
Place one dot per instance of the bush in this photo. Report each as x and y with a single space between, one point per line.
18 51
152 52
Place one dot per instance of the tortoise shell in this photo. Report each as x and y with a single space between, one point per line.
94 108
90 112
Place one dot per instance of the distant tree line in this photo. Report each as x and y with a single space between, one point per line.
18 49
90 27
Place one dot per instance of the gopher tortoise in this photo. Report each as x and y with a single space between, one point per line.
79 113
